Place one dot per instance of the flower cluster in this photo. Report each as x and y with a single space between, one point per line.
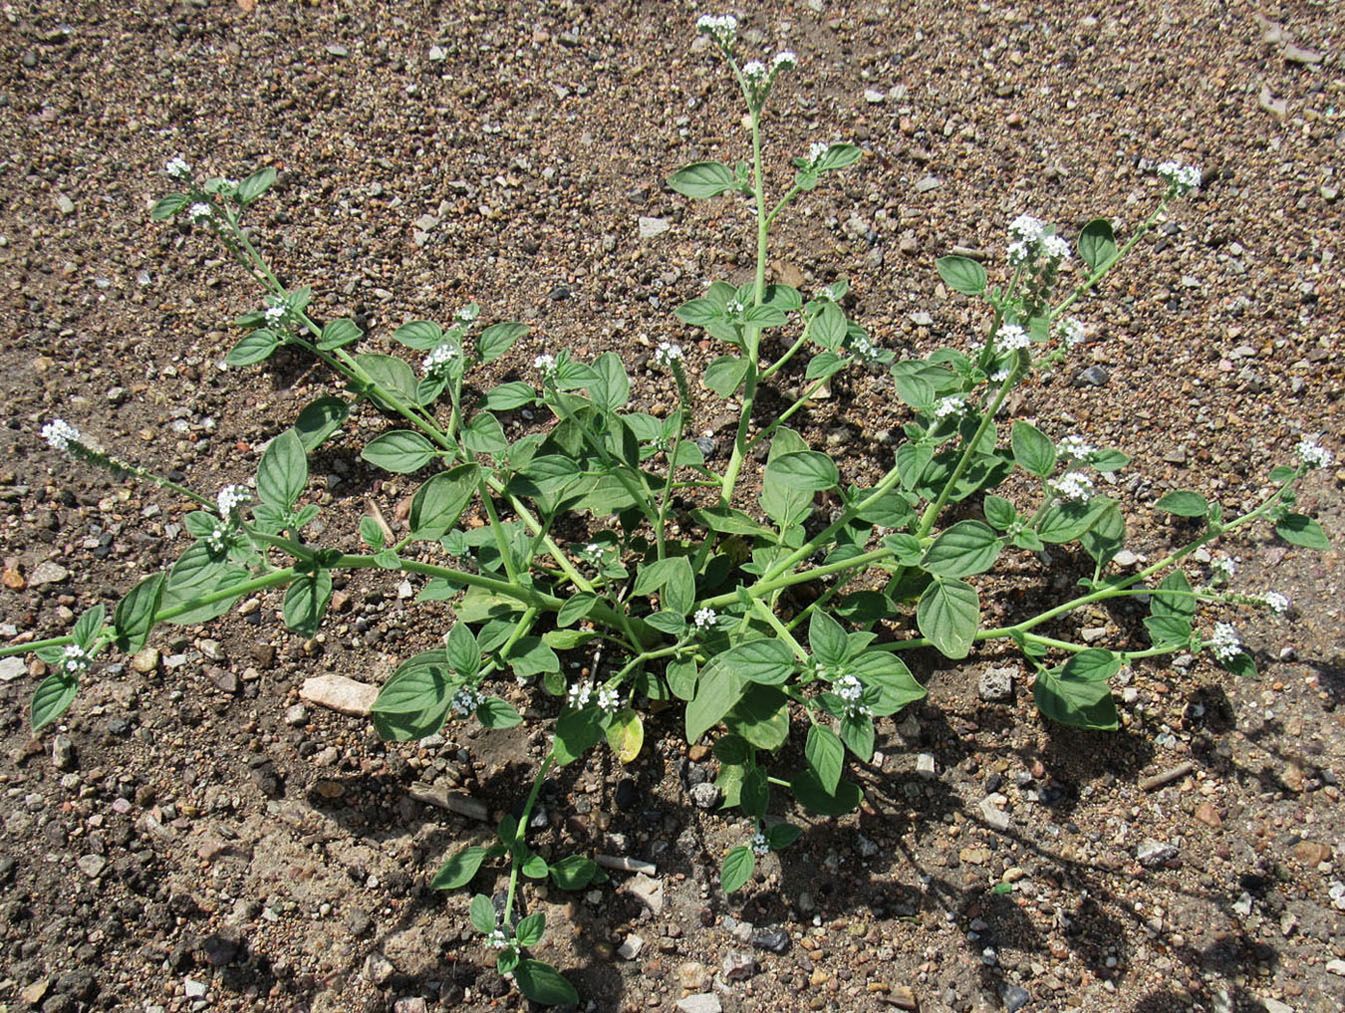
1181 179
1224 642
1073 487
1276 602
200 212
580 694
609 699
467 314
75 660
1223 568
440 357
1011 337
230 498
760 846
704 617
667 353
177 168
1312 453
1034 239
734 307
723 28
545 364
951 405
496 939
1073 332
60 434
851 692
465 701
1075 448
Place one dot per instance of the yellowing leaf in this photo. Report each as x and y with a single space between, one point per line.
626 735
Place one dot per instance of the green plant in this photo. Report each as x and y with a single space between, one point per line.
683 579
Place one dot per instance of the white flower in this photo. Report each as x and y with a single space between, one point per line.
467 314
1019 253
704 617
734 306
76 660
580 694
754 71
216 541
465 701
496 939
1011 337
724 27
230 498
200 212
1075 447
1056 248
1073 486
1027 229
59 434
177 168
593 549
274 314
950 405
1224 567
608 700
1073 331
1000 375
1224 642
760 846
667 353
785 59
441 356
1181 179
851 692
545 363
1312 453
1276 602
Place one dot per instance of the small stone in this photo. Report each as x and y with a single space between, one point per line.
410 1004
193 989
92 865
437 55
630 948
928 183
427 223
874 97
47 572
706 795
340 694
1208 815
704 1002
36 992
1275 1006
338 51
1312 853
698 752
378 968
738 965
692 976
224 680
146 660
994 817
1096 376
296 715
1152 853
924 766
1015 998
902 997
63 753
11 669
221 948
64 204
648 891
922 320
1297 54
996 684
651 227
772 940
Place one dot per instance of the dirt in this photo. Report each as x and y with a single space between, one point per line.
191 837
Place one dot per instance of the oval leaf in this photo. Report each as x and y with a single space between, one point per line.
739 864
965 548
949 614
702 179
401 451
962 274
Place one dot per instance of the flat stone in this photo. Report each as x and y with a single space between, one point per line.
706 795
902 997
704 1002
1336 966
1312 853
92 865
146 660
1094 376
64 204
47 572
738 965
1152 853
692 976
927 184
338 51
772 940
1297 54
36 992
437 55
630 947
924 766
648 891
874 97
651 227
1208 815
994 817
427 223
11 669
194 989
340 694
1015 998
996 684
378 968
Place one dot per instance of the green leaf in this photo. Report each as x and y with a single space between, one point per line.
813 797
1092 665
422 335
673 577
962 274
133 617
1184 504
1242 664
484 435
283 471
827 640
826 757
531 656
949 614
576 733
401 451
768 662
807 469
531 929
754 794
306 602
1064 522
391 374
51 699
319 420
252 348
414 701
739 864
896 686
782 835
612 389
496 713
703 179
1106 535
761 717
999 512
857 734
1032 450
534 867
542 983
338 334
576 608
1303 531
725 375
1181 604
1097 244
254 186
1108 460
1169 630
88 627
482 913
497 339
838 156
965 548
459 870
168 206
573 872
439 503
717 690
508 396
828 326
370 533
1076 702
731 522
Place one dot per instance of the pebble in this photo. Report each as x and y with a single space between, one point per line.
378 968
64 204
1312 853
1015 998
1096 376
902 997
996 684
651 227
630 948
62 753
738 965
928 183
706 795
1336 966
92 865
1208 815
193 989
703 1002
296 715
437 55
410 1004
924 766
773 940
874 97
11 669
47 572
1152 853
340 694
146 660
995 818
692 976
648 891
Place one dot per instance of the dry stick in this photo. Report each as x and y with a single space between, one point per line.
1166 776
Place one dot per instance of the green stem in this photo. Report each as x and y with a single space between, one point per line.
521 832
781 630
497 529
1102 270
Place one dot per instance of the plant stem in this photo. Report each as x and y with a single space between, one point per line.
521 832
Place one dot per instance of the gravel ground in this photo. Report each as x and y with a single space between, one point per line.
194 837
